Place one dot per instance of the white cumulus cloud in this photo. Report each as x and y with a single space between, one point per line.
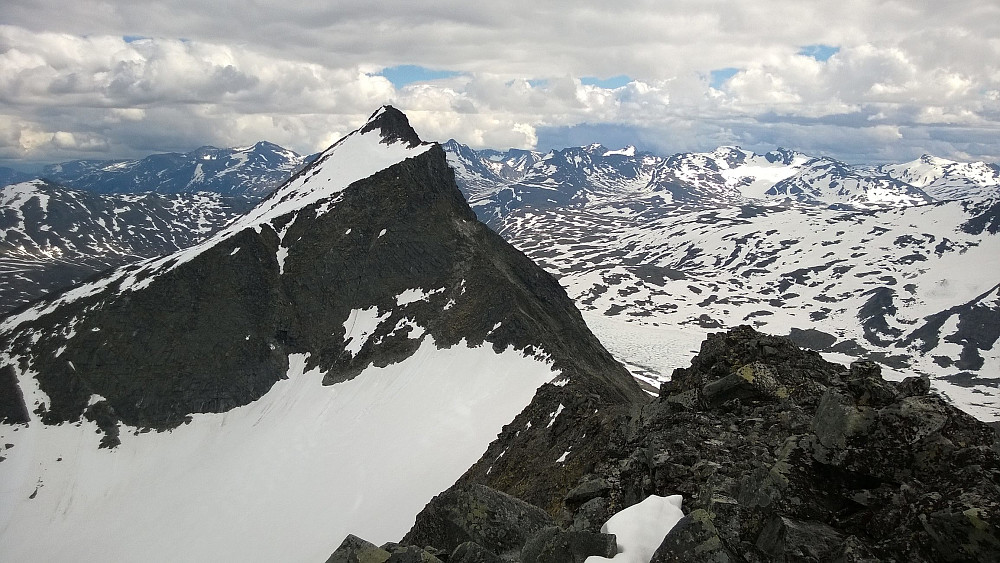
81 80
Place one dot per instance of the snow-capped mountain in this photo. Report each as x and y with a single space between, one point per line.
324 364
583 176
945 179
511 164
861 260
52 237
827 181
253 170
330 361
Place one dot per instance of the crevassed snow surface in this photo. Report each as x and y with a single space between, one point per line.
282 479
641 527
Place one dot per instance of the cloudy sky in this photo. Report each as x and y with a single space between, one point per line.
860 80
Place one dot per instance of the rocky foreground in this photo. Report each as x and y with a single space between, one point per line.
779 455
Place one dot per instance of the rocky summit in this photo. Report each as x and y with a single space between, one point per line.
779 455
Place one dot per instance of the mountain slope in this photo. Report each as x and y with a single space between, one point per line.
52 237
356 322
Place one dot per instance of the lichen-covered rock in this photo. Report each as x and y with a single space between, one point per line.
472 552
694 539
356 550
591 515
785 539
588 490
411 554
782 456
494 520
554 545
778 454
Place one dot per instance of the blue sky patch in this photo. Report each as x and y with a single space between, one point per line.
819 52
719 76
408 74
606 83
133 38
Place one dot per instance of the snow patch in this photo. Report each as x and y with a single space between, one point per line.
413 295
360 324
640 528
555 415
285 478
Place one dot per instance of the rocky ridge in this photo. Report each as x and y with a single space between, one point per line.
779 455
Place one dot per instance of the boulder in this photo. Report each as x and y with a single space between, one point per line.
411 554
554 545
786 539
356 550
693 539
494 520
588 490
472 552
591 515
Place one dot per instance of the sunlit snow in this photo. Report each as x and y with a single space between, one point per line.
285 478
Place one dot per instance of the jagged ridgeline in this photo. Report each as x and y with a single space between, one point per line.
367 272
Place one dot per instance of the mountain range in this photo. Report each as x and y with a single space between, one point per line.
254 171
684 243
895 262
53 237
358 356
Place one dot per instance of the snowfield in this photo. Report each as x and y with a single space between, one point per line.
285 478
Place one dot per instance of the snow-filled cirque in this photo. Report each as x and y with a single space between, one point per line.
282 479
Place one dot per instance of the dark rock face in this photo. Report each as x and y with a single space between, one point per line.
555 545
393 126
12 407
694 538
782 456
472 552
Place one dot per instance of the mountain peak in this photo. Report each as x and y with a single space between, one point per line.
393 126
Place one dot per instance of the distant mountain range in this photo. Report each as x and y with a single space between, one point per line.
52 237
255 170
581 176
897 261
